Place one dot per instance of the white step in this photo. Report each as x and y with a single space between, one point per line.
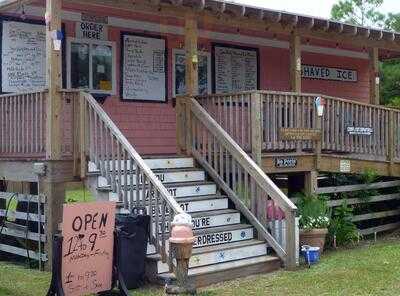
221 254
182 190
209 219
153 163
195 205
225 266
223 235
165 177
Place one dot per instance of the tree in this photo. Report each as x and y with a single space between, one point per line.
393 22
359 12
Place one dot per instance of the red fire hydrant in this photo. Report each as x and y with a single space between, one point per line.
181 245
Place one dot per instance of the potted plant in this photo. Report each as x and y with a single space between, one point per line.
314 220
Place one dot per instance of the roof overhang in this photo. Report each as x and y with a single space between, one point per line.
252 17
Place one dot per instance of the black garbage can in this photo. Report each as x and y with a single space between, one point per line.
132 234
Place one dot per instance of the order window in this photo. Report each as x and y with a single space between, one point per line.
91 65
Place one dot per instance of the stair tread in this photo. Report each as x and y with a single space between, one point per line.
165 156
224 266
222 228
169 185
213 213
157 171
189 199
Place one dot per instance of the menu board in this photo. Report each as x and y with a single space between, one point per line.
235 68
23 57
143 68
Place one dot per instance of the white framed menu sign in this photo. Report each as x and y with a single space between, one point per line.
235 68
23 56
143 68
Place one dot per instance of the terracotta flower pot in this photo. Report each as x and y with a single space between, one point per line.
314 237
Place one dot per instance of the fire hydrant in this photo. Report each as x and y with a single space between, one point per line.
181 245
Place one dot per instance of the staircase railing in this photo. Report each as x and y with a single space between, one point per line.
102 143
239 177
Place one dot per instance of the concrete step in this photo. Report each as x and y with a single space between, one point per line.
177 190
165 176
219 254
210 274
222 235
173 162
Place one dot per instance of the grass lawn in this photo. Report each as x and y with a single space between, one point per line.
370 269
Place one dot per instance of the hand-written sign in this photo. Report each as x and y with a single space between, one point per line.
91 30
236 69
299 134
327 73
87 251
143 68
23 57
365 131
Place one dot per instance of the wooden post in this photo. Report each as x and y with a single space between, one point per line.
311 182
54 83
291 240
256 127
391 142
192 59
318 143
183 115
295 62
374 80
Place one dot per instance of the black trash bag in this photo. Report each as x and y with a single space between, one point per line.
132 231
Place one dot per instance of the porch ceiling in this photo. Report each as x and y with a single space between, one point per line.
251 17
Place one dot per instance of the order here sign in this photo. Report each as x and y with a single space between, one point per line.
87 249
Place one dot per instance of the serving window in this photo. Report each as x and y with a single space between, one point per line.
91 65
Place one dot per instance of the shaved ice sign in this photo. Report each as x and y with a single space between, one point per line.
87 249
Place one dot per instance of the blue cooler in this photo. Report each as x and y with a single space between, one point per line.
311 254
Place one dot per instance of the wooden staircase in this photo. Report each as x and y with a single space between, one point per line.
226 243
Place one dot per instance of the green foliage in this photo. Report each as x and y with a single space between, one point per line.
342 227
313 210
393 22
359 12
390 83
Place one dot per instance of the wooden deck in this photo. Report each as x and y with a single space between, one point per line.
281 126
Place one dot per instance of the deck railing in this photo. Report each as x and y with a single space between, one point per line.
104 145
23 124
347 127
244 182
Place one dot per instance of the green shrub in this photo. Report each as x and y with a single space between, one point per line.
342 227
313 211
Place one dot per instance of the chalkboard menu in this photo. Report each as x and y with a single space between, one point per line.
235 68
23 57
143 68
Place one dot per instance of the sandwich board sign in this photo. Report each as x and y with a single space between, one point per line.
87 247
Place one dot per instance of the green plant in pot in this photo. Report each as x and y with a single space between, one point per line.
314 219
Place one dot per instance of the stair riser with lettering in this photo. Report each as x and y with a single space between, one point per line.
221 256
165 178
224 237
154 164
195 206
209 221
177 192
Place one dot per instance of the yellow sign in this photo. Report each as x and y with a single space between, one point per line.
105 85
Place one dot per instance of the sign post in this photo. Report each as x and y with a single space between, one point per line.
87 248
